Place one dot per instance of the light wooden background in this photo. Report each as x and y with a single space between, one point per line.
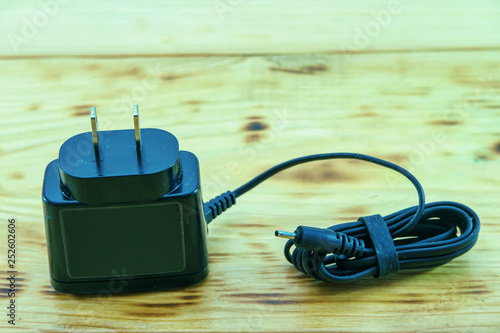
257 83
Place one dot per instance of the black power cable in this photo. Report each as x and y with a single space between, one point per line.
423 236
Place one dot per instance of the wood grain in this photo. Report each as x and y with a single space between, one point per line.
131 28
435 113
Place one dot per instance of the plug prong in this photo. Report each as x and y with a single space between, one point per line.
285 234
137 131
95 131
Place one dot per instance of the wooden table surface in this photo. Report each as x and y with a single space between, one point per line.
256 83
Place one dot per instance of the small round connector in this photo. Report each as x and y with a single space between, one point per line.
325 241
285 234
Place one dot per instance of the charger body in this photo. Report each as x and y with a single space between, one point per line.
123 222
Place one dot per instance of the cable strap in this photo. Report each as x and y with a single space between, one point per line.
387 256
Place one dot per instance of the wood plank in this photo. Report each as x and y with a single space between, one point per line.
434 113
131 28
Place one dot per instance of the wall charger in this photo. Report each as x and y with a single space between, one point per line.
124 212
124 206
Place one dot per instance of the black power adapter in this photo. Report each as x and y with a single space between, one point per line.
126 206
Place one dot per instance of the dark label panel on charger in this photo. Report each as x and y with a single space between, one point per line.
123 240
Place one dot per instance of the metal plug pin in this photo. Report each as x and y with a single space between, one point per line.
95 131
137 131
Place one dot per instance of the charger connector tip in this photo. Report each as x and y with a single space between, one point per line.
285 234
